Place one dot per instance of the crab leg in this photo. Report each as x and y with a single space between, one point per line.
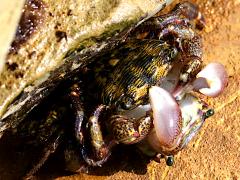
79 113
189 43
50 149
100 149
175 23
192 55
95 131
190 11
54 138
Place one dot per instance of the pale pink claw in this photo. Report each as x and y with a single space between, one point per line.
166 119
211 80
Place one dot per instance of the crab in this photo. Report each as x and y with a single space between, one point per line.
180 117
125 80
171 42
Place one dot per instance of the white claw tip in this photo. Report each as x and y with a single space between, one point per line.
166 116
211 80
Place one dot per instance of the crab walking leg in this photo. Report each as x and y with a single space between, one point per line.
96 133
55 138
178 31
192 55
177 22
50 149
144 126
101 149
189 42
211 80
190 11
75 96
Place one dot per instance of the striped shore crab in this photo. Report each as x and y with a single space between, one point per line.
167 41
124 82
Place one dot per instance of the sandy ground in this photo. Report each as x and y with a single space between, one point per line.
215 152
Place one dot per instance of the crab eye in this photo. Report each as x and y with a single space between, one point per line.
126 104
208 113
170 160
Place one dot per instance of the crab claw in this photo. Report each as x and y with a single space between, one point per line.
211 80
166 119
